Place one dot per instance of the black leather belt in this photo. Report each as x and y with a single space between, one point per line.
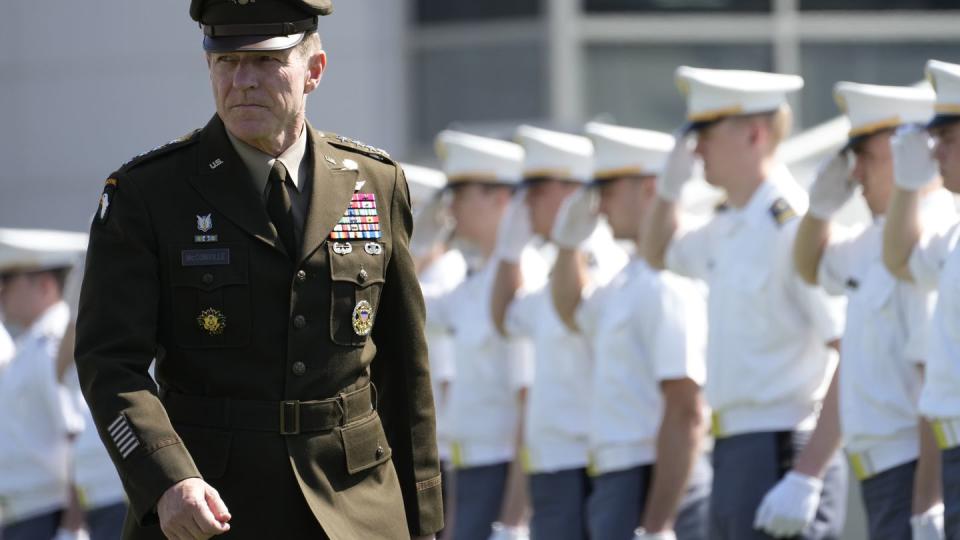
284 417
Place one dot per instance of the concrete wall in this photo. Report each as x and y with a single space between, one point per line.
84 86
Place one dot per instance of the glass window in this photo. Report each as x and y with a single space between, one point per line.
877 4
478 85
676 5
430 11
823 64
634 85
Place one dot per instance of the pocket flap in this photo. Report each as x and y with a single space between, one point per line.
365 444
208 268
359 266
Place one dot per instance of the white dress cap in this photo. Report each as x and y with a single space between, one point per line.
714 94
471 158
945 79
30 250
552 154
872 108
623 151
423 182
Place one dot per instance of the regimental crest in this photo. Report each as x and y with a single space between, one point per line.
205 223
212 321
362 318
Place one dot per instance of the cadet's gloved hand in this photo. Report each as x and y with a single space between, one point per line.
678 170
515 230
832 188
641 534
191 509
789 506
576 219
913 163
431 226
505 532
928 525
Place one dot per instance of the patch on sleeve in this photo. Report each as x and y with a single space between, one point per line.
121 434
781 211
106 200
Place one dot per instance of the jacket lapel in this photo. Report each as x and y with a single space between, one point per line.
224 182
333 187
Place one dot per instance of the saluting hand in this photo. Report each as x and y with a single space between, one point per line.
576 219
678 169
515 230
832 187
913 163
191 509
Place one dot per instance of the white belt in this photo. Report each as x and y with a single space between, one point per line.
947 431
780 417
882 456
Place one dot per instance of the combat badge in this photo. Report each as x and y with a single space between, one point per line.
342 248
205 225
214 322
362 318
106 199
373 248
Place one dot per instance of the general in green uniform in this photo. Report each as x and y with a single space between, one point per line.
265 266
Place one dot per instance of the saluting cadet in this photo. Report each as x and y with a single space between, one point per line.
440 269
492 373
37 419
769 362
6 347
557 417
647 334
926 254
890 448
265 265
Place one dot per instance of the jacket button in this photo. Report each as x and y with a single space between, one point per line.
207 279
299 322
379 452
301 276
299 368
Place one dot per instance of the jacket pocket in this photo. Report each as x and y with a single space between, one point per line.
357 277
209 448
365 444
211 296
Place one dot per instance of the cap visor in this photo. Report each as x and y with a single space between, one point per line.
942 120
251 43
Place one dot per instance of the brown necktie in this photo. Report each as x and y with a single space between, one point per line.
280 209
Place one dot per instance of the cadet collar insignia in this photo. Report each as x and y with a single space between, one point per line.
722 206
124 440
362 318
781 211
360 221
342 248
106 198
852 284
212 321
373 248
205 225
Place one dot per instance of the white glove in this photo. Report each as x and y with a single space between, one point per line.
928 525
832 188
504 532
576 219
515 230
678 169
641 534
79 534
789 506
431 225
913 163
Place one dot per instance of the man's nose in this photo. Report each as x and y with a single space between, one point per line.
245 76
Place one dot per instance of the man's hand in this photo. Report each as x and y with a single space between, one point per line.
789 506
913 163
678 169
928 525
192 509
576 219
515 230
641 534
832 187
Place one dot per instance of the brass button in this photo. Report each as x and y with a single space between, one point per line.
301 276
207 279
379 452
299 368
299 322
362 276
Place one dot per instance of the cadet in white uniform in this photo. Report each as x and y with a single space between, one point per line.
647 331
890 449
37 420
492 373
928 257
6 347
441 270
769 365
558 406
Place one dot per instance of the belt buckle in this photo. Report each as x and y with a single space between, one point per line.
294 408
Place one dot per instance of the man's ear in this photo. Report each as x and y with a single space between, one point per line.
316 65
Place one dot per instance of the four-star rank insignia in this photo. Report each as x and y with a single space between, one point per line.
362 318
213 321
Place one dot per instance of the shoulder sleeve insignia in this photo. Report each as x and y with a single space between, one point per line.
106 199
781 211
